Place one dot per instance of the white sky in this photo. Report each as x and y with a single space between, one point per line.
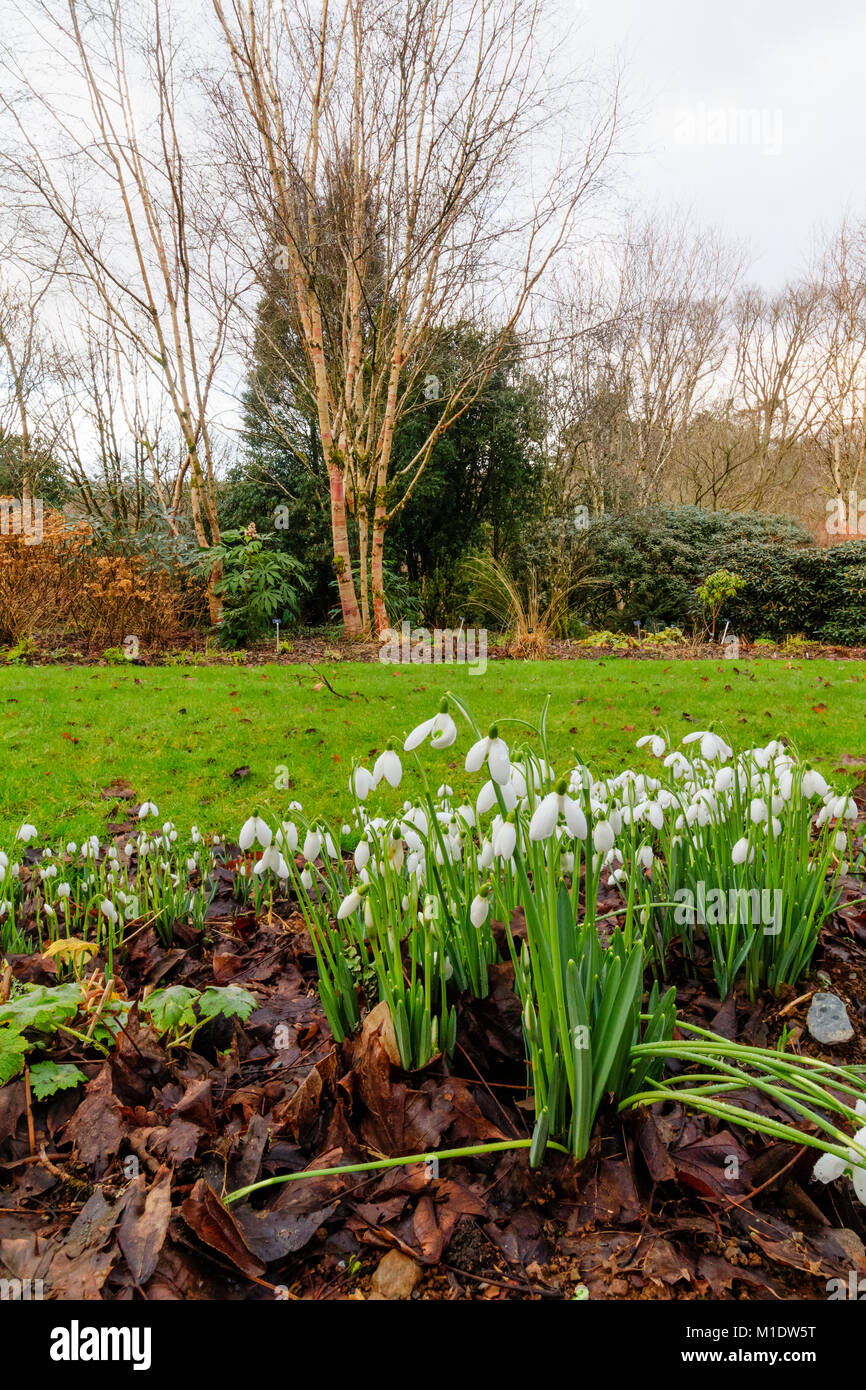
687 64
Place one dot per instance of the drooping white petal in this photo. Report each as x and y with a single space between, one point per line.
828 1168
574 818
476 755
544 820
248 834
498 761
418 734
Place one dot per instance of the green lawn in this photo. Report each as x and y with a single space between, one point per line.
177 735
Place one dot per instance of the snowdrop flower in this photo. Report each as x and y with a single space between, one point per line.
548 811
441 731
63 890
361 855
657 745
829 1167
494 751
505 840
396 850
485 858
645 856
273 860
254 830
840 841
740 852
724 779
487 797
480 907
363 783
758 811
286 837
388 765
195 835
603 836
312 845
108 910
678 763
306 879
147 808
712 746
72 847
26 833
813 784
49 872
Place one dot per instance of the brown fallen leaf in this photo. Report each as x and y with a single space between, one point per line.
96 1127
215 1226
144 1224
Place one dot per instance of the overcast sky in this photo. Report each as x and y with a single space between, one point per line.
752 113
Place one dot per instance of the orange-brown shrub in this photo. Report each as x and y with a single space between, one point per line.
62 588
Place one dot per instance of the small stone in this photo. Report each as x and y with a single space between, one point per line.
828 1020
395 1277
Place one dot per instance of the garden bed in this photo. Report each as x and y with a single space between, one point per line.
126 1154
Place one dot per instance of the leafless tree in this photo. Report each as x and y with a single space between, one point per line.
402 156
107 155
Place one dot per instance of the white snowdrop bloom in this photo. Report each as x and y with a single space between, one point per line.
312 845
286 837
830 1167
363 782
567 862
396 850
441 731
645 856
655 815
843 866
603 836
841 807
147 808
678 763
657 745
505 840
108 910
486 798
615 820
485 858
72 847
712 745
548 811
330 847
494 751
444 792
757 811
740 852
774 825
63 890
724 779
813 784
361 855
822 817
48 852
418 817
26 833
466 816
49 872
254 830
306 879
195 835
840 841
518 781
479 908
273 860
388 765
618 875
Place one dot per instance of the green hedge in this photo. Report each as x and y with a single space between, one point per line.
647 564
817 591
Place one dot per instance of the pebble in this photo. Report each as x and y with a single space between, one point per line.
828 1020
395 1277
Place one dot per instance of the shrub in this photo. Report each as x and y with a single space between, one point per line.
789 590
650 562
256 585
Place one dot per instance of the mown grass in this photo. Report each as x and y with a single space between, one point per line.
178 736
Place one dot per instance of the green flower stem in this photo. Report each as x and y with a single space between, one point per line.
378 1163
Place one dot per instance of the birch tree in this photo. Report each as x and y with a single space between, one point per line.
402 155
